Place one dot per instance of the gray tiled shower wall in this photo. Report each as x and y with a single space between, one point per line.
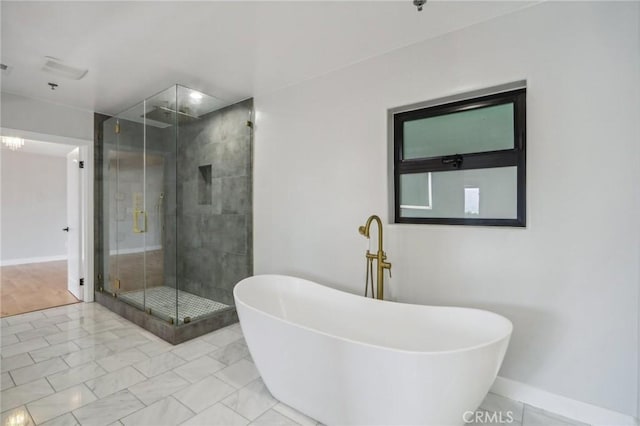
207 240
214 238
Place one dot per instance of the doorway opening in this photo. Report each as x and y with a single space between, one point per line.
44 190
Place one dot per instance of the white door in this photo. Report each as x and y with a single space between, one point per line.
74 214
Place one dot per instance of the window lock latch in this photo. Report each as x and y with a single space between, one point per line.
453 160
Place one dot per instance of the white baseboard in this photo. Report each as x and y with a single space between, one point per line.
26 260
562 405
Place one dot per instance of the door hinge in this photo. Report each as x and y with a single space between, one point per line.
81 164
117 284
117 129
81 281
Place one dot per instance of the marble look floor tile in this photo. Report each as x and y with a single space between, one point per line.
204 393
128 331
59 403
499 404
158 387
251 401
80 322
22 318
222 337
107 410
159 364
47 321
22 347
167 411
155 348
101 326
150 336
239 374
295 415
53 351
75 375
5 381
231 353
65 336
217 415
193 349
89 354
17 417
273 418
114 382
198 369
95 339
536 417
8 339
20 395
18 328
78 315
15 361
73 324
60 310
126 342
36 371
37 332
63 420
122 359
236 328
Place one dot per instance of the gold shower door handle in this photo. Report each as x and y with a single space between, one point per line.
136 221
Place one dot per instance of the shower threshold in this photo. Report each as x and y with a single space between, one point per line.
162 303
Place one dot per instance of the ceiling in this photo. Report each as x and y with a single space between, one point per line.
229 49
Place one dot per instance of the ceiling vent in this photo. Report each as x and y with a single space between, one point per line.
62 70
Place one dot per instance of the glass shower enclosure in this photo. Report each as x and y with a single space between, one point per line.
176 211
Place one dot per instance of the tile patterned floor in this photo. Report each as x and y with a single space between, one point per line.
84 365
162 302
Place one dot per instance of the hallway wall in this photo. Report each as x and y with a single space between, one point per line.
33 207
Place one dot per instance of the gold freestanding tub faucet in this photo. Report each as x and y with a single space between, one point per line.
380 257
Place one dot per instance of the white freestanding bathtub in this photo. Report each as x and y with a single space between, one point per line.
344 359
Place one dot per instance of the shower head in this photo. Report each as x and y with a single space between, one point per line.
168 115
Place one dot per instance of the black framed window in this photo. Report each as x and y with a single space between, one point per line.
462 163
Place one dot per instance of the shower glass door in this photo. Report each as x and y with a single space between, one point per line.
160 193
125 200
139 202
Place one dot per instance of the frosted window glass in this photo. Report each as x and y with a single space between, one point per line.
464 132
415 191
468 194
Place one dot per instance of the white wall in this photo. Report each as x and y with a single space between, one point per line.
33 206
19 112
569 281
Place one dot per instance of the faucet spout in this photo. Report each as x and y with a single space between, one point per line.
364 230
380 256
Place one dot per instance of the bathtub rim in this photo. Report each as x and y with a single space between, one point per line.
507 336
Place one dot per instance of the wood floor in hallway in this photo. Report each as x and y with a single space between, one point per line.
33 286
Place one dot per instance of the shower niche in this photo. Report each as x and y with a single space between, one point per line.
174 222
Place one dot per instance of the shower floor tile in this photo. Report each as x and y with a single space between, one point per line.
162 302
